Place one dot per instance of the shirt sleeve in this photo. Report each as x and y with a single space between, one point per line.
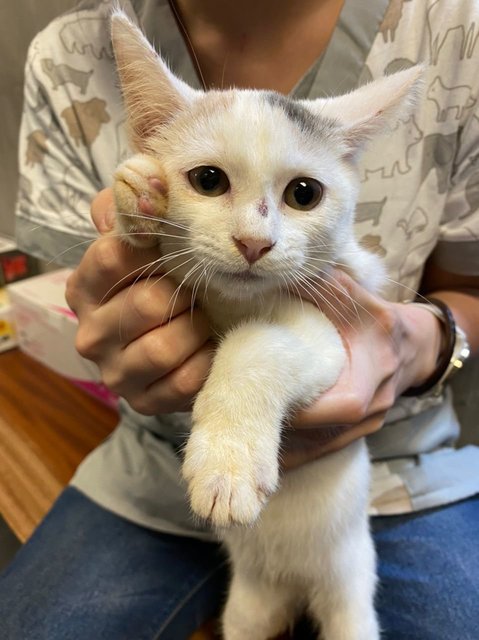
57 176
457 250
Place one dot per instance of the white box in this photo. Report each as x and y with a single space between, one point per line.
46 329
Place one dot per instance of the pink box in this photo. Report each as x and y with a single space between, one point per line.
46 329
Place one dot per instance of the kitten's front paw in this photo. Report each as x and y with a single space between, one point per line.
140 192
228 482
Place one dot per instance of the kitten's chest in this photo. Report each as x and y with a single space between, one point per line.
226 314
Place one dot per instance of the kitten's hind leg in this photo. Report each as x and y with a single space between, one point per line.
256 610
140 193
344 605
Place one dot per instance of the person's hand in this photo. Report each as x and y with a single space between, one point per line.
152 352
390 347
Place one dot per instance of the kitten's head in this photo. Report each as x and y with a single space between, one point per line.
263 187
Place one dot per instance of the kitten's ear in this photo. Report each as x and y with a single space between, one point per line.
151 92
369 110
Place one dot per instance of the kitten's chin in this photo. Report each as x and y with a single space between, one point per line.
242 285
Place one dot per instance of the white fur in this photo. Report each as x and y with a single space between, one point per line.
301 541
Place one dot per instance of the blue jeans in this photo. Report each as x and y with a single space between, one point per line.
87 574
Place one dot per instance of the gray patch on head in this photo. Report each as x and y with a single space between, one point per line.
301 116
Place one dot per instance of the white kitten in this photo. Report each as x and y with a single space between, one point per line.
257 192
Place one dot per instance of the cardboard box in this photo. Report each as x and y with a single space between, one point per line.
8 338
46 329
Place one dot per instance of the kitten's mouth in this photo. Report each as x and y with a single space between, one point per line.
242 276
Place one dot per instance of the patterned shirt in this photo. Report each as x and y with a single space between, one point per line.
419 198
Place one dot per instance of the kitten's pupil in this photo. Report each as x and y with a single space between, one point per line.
209 181
303 193
209 178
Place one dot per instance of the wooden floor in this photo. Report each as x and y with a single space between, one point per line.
47 427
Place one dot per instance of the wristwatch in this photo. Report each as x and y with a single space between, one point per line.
453 356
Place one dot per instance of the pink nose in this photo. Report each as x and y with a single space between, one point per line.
253 249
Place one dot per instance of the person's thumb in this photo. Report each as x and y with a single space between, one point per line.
103 211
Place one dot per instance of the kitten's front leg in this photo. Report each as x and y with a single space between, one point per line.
259 372
140 192
231 455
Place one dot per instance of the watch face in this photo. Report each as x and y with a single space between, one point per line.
461 350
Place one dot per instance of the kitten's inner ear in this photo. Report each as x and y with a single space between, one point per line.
152 94
371 109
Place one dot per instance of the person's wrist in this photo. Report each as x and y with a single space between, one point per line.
422 343
455 349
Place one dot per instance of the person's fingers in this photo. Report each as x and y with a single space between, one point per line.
176 391
103 211
347 402
303 446
158 352
342 299
347 406
139 308
108 266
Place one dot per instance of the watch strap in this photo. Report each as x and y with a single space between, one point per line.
443 364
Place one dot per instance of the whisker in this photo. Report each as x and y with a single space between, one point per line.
286 288
285 281
171 256
328 285
74 246
309 288
157 219
224 70
111 235
335 263
410 289
136 280
187 37
179 253
295 284
196 285
159 234
176 290
142 268
366 311
176 293
213 271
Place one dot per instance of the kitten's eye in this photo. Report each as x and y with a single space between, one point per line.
303 193
209 181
